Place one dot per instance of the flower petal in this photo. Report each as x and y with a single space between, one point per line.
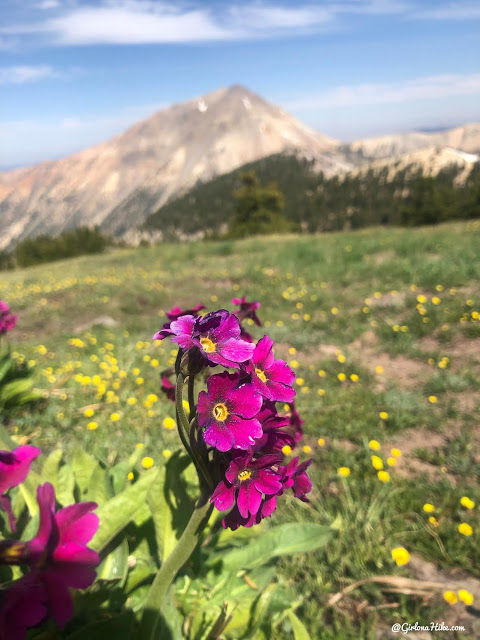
249 499
223 497
245 401
219 436
263 357
243 432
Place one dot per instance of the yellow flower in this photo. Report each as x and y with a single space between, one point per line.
130 476
465 529
383 476
400 555
114 417
307 317
436 300
341 358
322 373
321 392
391 461
374 445
450 597
421 299
396 453
166 453
131 401
139 445
169 423
428 508
342 377
321 442
139 381
92 426
136 371
344 472
88 413
294 364
383 415
292 351
465 596
287 450
334 311
432 399
433 521
377 463
152 398
354 377
300 381
307 449
147 462
467 503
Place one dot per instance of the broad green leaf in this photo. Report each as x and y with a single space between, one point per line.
51 466
260 609
83 466
299 630
285 539
116 513
118 627
14 388
5 366
115 565
97 488
65 485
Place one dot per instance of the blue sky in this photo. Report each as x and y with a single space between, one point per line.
76 72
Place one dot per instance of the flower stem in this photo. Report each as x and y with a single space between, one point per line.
170 567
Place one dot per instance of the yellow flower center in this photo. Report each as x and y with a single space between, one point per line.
220 412
13 553
244 475
207 345
261 375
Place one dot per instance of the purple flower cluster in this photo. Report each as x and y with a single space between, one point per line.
7 320
237 414
58 557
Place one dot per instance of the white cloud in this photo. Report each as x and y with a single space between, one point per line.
427 88
23 74
47 4
453 11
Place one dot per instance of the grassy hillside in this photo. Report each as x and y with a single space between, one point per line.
316 203
382 327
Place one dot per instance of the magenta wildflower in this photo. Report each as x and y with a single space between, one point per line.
21 607
7 320
58 556
14 468
217 335
272 378
227 412
180 329
233 520
246 482
247 310
176 312
294 476
273 438
168 388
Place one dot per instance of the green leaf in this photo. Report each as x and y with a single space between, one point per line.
5 366
260 609
97 489
170 505
65 485
116 513
51 466
285 539
83 466
115 565
15 388
299 630
119 627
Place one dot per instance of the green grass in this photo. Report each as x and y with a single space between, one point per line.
319 294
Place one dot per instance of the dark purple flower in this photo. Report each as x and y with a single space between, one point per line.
294 476
14 468
217 335
296 423
227 412
21 607
7 320
246 310
58 555
272 378
181 329
168 388
176 312
233 520
273 438
246 482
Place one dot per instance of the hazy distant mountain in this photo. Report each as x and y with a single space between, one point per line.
466 138
118 183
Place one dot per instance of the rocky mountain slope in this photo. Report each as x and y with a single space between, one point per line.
118 183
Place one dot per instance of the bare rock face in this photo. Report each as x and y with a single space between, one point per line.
117 184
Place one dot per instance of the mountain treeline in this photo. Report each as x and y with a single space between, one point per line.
43 248
312 202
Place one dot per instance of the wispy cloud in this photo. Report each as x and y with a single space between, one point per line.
23 74
426 88
453 11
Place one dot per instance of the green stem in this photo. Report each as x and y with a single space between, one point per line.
182 421
170 567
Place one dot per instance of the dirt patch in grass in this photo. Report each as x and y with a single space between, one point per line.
408 464
466 401
388 300
459 347
380 257
404 372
